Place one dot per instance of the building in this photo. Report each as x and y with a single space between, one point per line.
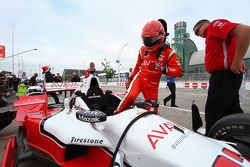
197 67
183 45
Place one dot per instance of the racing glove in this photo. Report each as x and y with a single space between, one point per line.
164 69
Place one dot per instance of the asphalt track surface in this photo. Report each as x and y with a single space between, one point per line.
180 115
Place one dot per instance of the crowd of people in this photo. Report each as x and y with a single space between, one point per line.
19 85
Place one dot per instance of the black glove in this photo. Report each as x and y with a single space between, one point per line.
164 69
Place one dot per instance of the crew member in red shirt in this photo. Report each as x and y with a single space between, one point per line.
154 59
91 70
226 46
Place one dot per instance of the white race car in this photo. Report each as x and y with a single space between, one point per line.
85 132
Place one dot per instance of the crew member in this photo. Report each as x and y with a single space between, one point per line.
226 46
91 70
32 80
49 79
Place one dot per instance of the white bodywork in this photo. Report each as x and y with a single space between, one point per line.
151 141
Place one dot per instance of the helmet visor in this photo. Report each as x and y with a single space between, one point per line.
151 41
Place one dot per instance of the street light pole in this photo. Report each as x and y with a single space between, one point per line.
18 54
118 61
13 69
13 55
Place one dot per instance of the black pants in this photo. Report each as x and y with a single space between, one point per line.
6 118
172 96
223 96
3 102
54 95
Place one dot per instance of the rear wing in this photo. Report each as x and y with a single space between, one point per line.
62 86
92 80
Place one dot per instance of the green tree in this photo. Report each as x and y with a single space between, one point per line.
108 70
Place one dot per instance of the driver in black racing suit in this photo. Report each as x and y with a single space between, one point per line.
49 79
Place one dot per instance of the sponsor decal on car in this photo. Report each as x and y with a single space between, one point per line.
91 116
180 140
164 130
63 85
87 141
87 119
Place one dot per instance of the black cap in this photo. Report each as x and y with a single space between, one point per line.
164 23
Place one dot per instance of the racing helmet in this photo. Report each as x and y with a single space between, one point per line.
153 35
92 65
45 69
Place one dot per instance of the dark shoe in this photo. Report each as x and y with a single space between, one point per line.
164 102
174 106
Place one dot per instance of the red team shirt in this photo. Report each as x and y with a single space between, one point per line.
220 49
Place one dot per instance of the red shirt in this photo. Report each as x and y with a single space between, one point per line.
150 68
87 72
220 49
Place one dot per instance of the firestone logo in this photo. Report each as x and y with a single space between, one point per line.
86 141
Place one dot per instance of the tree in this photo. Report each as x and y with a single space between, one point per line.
108 70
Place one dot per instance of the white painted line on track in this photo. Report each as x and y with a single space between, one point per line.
177 108
196 94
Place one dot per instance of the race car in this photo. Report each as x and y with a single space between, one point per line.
85 132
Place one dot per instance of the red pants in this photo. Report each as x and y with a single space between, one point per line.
137 86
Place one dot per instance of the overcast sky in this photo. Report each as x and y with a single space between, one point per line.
72 33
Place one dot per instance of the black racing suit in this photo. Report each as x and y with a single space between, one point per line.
49 79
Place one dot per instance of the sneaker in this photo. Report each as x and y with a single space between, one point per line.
164 102
174 105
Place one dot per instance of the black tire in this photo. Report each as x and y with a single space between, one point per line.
234 128
6 118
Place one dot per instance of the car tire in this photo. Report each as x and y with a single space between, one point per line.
234 128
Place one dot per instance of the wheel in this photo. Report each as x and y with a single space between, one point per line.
234 128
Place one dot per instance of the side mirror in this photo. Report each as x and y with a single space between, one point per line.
196 118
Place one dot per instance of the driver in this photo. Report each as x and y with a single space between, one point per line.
91 70
154 59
